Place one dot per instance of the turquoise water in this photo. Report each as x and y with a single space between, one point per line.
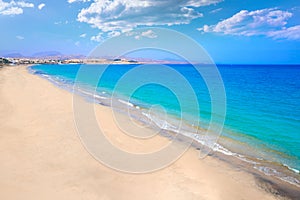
263 107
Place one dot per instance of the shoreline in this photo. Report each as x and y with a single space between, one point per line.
286 175
277 170
56 155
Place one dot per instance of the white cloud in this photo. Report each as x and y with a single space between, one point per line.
124 15
199 3
149 34
73 1
146 34
77 43
61 22
12 11
291 33
216 10
13 7
97 38
114 33
268 22
82 35
24 4
41 6
20 37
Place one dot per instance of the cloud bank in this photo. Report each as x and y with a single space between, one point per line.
14 7
124 15
269 22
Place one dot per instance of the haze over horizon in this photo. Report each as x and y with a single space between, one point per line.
231 31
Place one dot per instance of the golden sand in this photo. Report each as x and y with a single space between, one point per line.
42 157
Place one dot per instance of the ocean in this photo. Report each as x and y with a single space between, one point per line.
262 124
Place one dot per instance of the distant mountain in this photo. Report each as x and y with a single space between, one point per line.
46 54
43 55
13 55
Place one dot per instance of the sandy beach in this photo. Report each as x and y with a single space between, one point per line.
42 156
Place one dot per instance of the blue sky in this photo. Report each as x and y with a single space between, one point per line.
232 31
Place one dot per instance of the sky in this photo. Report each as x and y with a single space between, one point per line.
231 31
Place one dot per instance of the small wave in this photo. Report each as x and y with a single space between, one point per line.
99 97
53 79
204 141
240 157
90 94
219 148
36 72
126 102
292 169
197 137
272 172
84 92
163 124
45 75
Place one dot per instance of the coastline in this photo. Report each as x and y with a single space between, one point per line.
43 159
139 110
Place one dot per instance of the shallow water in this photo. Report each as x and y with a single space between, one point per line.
263 110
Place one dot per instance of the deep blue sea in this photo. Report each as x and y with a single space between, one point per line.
263 106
